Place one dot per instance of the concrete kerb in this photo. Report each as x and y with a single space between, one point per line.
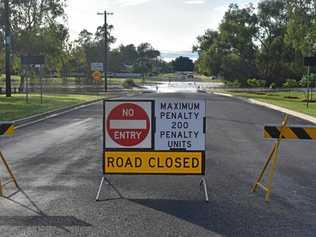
54 113
274 107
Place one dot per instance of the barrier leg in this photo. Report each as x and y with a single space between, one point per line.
9 170
99 189
274 155
203 182
1 192
271 174
259 179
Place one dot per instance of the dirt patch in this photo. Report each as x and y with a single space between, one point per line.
291 97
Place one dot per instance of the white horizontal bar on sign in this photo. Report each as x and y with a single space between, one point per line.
128 124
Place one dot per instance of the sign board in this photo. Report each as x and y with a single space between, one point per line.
96 67
154 137
97 75
180 125
154 162
32 60
310 61
128 124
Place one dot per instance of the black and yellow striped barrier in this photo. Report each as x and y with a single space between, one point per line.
6 128
279 133
307 133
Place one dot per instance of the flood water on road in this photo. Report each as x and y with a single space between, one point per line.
183 87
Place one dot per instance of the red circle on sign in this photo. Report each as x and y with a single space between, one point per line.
128 124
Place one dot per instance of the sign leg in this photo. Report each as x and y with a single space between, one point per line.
203 182
99 189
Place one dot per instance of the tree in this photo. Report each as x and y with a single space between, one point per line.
230 52
268 43
275 60
301 27
183 64
236 40
210 57
147 58
36 30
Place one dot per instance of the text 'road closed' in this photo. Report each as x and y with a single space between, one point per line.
126 162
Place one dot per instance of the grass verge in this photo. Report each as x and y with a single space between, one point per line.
15 107
293 100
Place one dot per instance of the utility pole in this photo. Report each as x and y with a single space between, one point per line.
105 61
7 48
105 66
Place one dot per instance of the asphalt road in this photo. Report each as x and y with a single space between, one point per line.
58 164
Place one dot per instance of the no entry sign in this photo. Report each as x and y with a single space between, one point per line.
128 124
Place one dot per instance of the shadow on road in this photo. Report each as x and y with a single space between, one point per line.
229 218
40 219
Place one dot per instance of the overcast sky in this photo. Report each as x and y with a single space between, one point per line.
169 25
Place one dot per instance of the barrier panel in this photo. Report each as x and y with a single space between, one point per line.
6 128
155 137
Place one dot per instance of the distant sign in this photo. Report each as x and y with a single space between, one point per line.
154 137
32 60
97 67
128 124
97 75
310 61
180 125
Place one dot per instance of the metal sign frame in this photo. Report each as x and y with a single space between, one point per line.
152 149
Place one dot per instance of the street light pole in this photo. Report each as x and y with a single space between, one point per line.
7 48
105 61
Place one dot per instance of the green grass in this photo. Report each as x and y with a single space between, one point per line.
119 81
15 107
279 99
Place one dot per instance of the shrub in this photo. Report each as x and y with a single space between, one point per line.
256 83
252 82
128 84
233 84
290 83
273 85
261 83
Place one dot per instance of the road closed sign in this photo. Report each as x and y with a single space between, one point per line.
154 162
165 136
128 124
